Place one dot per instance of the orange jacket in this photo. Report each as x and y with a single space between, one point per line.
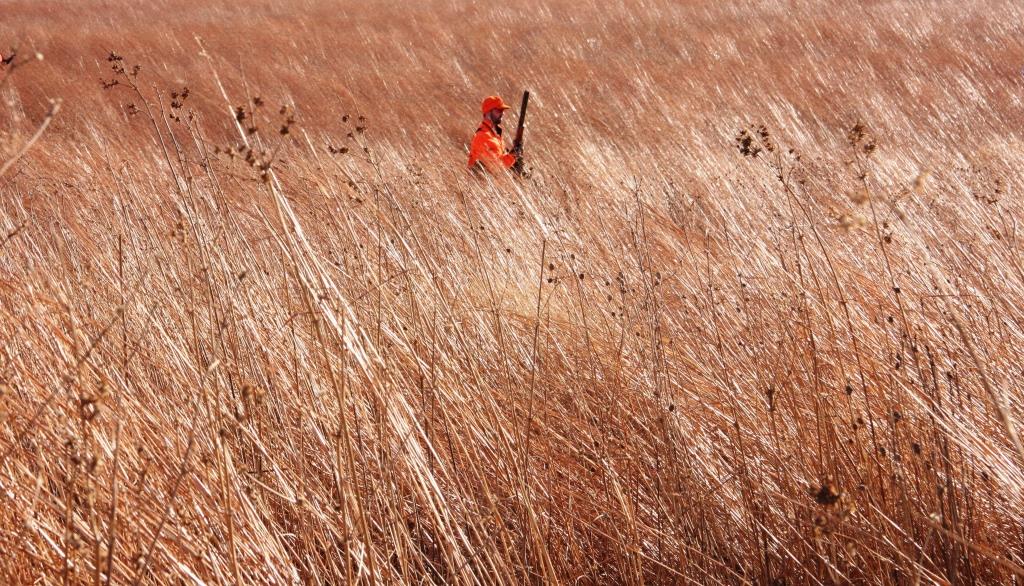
488 148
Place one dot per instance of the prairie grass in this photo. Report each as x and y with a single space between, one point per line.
755 317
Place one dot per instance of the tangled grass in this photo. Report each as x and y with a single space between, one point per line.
756 316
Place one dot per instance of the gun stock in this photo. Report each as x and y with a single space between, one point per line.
517 143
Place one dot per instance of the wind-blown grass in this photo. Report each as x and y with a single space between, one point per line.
754 317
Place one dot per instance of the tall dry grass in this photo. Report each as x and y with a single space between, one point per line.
755 317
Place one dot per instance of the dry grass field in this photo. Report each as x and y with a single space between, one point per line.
756 316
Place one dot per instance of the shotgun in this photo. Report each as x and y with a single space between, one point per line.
517 144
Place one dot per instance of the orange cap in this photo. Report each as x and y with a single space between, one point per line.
492 102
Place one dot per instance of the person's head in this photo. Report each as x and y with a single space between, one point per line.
493 107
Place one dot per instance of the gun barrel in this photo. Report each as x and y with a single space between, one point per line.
517 144
522 118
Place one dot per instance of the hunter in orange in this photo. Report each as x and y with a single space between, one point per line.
488 148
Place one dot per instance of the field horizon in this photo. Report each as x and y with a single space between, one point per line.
755 315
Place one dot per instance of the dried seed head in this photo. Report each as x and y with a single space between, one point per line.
828 494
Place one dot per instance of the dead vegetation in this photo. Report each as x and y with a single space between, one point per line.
756 316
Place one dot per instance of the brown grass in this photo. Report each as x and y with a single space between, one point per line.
690 348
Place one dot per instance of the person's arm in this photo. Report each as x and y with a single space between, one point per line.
492 151
508 159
